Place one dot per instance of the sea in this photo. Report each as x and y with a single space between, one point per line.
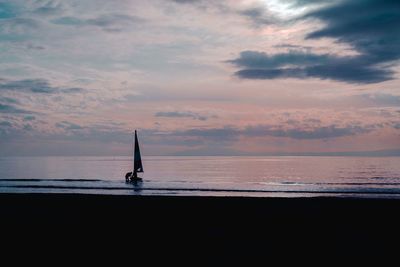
283 176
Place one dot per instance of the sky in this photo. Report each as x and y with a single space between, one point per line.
199 77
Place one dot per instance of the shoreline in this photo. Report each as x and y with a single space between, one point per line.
226 225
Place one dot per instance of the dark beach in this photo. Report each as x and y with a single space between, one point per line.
234 228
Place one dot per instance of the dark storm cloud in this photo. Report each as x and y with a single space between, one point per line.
361 23
259 65
39 86
260 60
351 71
271 73
183 114
371 27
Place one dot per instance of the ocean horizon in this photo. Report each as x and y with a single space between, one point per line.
254 176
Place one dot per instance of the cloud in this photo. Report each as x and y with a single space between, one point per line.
282 12
230 133
35 47
107 22
68 125
302 65
6 10
7 105
103 133
294 47
18 24
18 29
315 121
12 109
49 8
5 124
39 86
227 133
259 15
32 86
186 1
184 114
9 100
261 60
29 118
380 99
86 139
374 33
191 137
27 127
320 132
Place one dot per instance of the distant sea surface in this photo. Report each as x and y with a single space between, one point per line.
206 176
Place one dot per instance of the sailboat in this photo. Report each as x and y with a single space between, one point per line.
137 163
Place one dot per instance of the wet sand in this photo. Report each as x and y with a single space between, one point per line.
227 229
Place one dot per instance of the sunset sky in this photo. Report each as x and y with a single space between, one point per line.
199 77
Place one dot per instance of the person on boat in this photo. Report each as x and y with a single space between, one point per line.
134 176
128 176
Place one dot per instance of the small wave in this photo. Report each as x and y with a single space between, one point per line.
395 191
352 183
51 180
329 183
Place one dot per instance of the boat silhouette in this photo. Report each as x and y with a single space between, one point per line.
137 163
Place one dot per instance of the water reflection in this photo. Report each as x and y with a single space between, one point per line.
136 185
204 175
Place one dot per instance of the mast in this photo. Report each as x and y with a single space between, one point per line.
133 154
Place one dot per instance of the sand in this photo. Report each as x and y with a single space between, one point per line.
227 229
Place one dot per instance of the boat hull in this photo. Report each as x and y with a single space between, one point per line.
135 180
129 178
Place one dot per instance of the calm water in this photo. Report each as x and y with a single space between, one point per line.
220 176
